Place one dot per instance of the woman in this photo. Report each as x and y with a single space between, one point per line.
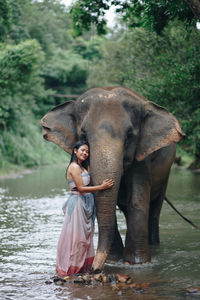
75 251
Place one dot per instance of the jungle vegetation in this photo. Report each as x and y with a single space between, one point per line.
47 49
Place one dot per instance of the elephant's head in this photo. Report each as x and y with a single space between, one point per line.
120 126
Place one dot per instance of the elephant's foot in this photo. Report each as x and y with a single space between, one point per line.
115 256
136 258
99 260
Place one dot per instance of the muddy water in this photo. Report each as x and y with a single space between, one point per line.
30 224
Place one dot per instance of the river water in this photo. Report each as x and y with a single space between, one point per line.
30 224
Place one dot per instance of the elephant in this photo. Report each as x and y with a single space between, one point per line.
132 141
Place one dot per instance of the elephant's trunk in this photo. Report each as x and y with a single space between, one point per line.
106 163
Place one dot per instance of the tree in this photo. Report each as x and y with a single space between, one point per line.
20 83
147 13
195 7
48 22
32 32
4 19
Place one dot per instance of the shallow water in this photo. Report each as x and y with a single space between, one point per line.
31 220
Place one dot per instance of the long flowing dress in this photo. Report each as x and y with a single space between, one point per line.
75 250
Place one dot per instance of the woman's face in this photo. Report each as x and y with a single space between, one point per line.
82 153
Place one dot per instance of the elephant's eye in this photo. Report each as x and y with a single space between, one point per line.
129 135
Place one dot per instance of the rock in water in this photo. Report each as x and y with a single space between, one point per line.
193 291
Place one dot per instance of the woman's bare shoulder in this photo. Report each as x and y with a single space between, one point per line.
74 167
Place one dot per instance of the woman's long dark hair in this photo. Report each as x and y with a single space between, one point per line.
85 164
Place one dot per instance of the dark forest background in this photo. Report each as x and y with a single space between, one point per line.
48 50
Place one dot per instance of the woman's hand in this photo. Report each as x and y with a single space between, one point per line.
107 184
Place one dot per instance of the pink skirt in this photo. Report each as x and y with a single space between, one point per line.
75 251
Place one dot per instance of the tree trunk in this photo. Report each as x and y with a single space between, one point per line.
195 7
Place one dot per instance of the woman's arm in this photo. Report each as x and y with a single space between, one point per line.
75 172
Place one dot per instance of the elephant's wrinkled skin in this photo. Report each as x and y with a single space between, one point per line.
131 141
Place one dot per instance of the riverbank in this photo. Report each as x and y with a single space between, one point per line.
50 155
183 161
14 171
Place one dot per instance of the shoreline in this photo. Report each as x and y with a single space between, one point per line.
17 171
10 174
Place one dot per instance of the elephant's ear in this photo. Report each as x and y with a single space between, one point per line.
159 129
59 126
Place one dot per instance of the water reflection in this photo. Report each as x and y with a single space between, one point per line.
31 220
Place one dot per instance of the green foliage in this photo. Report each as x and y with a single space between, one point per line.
89 48
37 61
45 21
87 12
19 63
20 83
155 15
4 19
25 147
50 25
65 70
21 88
149 14
40 57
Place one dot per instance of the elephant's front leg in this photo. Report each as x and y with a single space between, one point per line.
136 243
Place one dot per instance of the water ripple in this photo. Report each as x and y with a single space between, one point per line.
31 221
